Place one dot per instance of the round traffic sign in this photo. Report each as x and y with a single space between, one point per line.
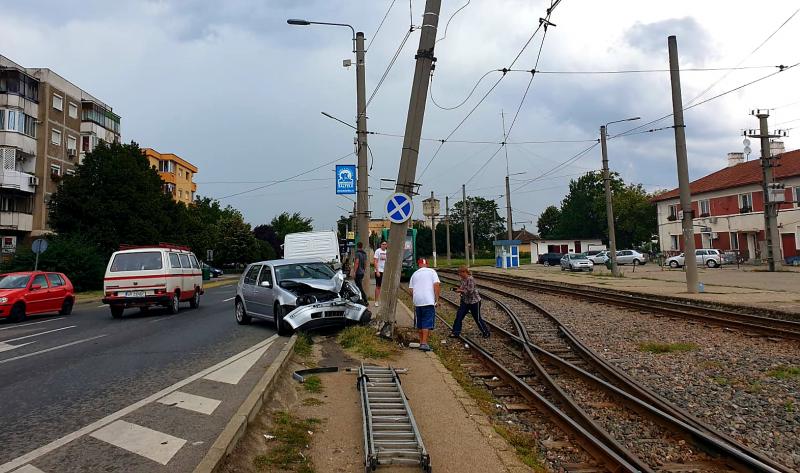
39 246
399 207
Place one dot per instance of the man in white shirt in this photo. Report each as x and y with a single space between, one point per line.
425 289
379 263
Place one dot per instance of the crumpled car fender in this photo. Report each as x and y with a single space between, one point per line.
334 312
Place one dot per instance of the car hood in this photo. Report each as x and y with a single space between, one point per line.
333 284
10 292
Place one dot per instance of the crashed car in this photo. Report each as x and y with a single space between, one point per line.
298 294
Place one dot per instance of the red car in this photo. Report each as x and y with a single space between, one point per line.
35 292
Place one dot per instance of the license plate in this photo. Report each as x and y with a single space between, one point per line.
135 294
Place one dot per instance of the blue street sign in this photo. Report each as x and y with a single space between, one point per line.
345 179
399 207
39 246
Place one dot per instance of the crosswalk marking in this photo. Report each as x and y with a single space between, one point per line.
40 333
190 402
18 326
234 372
149 443
28 469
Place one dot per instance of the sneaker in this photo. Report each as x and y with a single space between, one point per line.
453 335
377 304
425 347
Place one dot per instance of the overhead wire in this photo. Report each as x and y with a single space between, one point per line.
390 65
380 25
561 165
643 71
451 19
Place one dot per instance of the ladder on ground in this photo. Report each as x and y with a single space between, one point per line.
391 436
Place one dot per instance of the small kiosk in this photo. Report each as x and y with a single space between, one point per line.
506 253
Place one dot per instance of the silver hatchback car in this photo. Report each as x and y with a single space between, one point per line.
576 262
297 293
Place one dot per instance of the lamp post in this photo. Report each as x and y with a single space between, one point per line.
362 179
612 238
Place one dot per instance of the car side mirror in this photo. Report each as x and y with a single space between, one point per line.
265 284
36 287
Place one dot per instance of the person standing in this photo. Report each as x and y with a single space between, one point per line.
470 302
379 263
358 270
425 289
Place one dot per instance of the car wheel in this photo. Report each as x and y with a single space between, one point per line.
673 264
280 325
638 261
18 313
241 315
174 304
116 311
711 263
66 307
195 302
563 268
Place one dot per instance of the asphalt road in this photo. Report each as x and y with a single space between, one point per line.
60 374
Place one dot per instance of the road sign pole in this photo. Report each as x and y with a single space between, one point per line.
408 160
36 264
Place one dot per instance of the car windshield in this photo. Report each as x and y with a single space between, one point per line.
303 271
139 261
579 256
14 281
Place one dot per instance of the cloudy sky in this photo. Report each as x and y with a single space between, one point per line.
237 91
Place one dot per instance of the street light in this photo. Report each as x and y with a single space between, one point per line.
612 239
362 183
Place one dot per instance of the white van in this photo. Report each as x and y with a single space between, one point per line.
148 276
322 245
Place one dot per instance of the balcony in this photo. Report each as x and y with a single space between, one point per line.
16 221
17 180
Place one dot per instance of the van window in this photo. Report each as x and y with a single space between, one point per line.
251 276
174 261
185 260
139 261
195 264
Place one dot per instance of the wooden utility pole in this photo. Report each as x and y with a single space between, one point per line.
447 225
465 209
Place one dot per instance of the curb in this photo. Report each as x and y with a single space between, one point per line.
211 285
237 426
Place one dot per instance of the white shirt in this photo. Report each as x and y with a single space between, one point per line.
422 282
380 255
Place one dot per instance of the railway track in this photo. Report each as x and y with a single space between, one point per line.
596 403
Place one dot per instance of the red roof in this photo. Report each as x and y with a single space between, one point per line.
739 175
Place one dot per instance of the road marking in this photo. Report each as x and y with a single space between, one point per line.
229 299
32 323
102 305
191 402
161 319
234 372
149 443
40 333
52 348
6 347
60 442
28 469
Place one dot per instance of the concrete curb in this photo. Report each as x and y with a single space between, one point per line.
237 426
210 285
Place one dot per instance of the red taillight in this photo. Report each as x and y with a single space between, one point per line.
161 291
109 293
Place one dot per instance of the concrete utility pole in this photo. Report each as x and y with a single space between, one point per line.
612 236
362 183
771 233
447 225
683 166
472 240
353 224
408 160
509 221
433 229
465 209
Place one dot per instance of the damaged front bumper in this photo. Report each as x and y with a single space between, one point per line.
325 314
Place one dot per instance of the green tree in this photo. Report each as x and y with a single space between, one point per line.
484 217
583 210
548 222
236 241
635 217
286 223
267 234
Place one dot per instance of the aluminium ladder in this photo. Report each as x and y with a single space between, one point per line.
391 436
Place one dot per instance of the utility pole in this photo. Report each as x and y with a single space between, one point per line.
433 228
355 248
408 160
472 240
612 236
509 221
465 209
362 183
447 225
771 233
683 166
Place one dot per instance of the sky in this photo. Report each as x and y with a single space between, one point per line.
230 87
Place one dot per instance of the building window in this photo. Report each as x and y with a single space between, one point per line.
55 137
734 241
673 213
745 203
73 110
69 172
796 196
55 170
72 143
673 242
180 172
18 83
2 119
188 176
705 208
166 166
180 194
58 102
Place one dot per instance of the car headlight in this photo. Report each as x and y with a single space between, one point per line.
305 300
3 300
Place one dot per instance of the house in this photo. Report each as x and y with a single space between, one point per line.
540 246
728 206
525 237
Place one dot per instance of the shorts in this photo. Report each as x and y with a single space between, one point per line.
425 316
378 280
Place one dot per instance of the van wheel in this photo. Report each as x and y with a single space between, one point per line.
174 304
18 313
66 307
711 263
241 315
116 311
195 302
281 326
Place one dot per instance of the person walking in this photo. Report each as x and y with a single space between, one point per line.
425 289
358 271
380 264
470 302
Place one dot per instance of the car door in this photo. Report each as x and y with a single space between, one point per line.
248 289
58 291
264 297
37 300
700 257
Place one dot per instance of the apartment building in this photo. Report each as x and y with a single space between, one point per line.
47 125
728 206
177 174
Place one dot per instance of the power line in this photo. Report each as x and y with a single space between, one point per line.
451 19
533 74
567 162
787 121
644 71
391 64
380 25
433 99
260 182
786 105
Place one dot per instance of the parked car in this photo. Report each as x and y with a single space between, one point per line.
297 293
630 257
550 259
214 272
576 262
707 257
35 292
149 276
600 257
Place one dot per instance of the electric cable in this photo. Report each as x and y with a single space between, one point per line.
644 71
451 19
380 25
391 64
567 162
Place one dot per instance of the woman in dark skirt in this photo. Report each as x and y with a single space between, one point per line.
470 302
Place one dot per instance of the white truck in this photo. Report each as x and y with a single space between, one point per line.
323 245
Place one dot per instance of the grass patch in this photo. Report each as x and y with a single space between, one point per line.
303 344
363 341
88 295
662 348
525 446
456 262
785 372
788 406
754 387
291 438
313 384
721 380
313 402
